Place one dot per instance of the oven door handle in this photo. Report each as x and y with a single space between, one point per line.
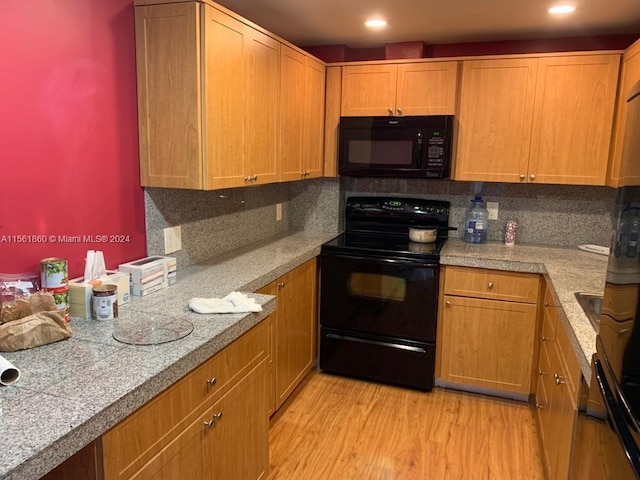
379 260
616 417
410 348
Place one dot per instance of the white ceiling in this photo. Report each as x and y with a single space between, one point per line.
340 22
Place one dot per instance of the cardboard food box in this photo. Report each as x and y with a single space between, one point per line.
150 274
80 292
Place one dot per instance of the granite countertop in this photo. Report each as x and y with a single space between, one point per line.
569 269
72 391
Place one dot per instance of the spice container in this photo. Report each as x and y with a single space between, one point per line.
104 302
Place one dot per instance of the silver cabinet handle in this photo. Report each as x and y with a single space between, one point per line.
539 406
623 331
281 285
546 304
490 285
523 176
247 179
544 339
532 176
559 379
214 418
447 303
390 111
212 381
399 111
541 373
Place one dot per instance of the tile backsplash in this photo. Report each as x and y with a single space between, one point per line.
217 222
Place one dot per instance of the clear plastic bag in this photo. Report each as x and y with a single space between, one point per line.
15 291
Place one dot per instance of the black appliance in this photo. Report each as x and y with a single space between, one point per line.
608 445
379 292
413 146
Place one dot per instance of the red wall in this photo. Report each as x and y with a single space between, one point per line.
68 133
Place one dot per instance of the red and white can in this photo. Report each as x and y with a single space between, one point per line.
510 229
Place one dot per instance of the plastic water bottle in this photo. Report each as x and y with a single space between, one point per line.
476 222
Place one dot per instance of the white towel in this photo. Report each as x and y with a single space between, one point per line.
235 302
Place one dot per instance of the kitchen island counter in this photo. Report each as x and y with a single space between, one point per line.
73 391
569 269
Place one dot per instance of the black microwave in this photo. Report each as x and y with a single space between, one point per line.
412 146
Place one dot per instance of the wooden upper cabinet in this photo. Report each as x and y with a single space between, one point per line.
169 112
368 90
224 47
301 116
260 112
573 116
427 88
494 123
625 170
399 89
542 120
313 134
292 112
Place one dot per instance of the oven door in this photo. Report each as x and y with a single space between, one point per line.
392 298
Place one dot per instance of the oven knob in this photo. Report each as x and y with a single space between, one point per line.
429 209
440 210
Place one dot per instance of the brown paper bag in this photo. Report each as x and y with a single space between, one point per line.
34 330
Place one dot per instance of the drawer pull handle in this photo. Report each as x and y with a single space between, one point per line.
281 285
214 418
532 176
623 331
447 303
490 285
540 372
559 379
390 111
544 339
212 381
539 406
546 304
522 176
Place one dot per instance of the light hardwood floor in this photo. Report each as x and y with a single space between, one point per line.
337 428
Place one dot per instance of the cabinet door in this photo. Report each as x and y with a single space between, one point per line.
260 112
487 343
313 134
369 90
292 112
224 49
271 289
296 329
236 435
427 88
627 173
168 71
573 115
496 111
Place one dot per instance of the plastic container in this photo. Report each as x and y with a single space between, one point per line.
476 222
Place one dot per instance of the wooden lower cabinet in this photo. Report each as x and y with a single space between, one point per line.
556 393
488 343
295 332
224 437
484 341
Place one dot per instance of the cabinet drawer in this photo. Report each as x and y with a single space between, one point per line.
492 284
550 313
570 366
132 442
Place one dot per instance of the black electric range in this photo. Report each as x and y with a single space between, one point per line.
379 292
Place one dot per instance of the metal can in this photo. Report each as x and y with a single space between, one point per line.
54 273
510 228
104 302
61 297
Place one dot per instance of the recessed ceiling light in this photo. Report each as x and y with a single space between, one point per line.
562 9
376 23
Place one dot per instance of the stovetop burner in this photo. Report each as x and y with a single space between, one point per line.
380 226
385 245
